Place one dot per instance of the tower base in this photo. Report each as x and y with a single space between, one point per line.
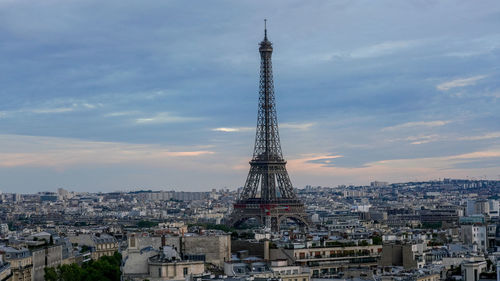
269 213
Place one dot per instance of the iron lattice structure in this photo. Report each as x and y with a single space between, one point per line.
268 194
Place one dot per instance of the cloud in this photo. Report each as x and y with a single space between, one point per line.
435 164
308 162
493 135
297 126
327 160
121 113
59 106
384 48
89 105
436 123
462 82
52 110
371 51
233 130
315 166
476 155
465 54
293 126
16 150
476 46
423 139
164 117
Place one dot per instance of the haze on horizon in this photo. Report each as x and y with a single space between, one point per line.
120 95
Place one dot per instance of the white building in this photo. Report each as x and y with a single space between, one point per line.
482 207
475 235
4 228
494 208
498 270
472 269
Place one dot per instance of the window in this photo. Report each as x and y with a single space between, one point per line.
159 272
185 271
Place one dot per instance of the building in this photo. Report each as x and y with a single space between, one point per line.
168 265
45 257
100 244
498 270
214 249
21 263
255 268
163 264
472 269
4 228
285 272
412 276
5 271
48 196
474 219
475 235
329 261
407 255
483 207
441 217
176 195
379 184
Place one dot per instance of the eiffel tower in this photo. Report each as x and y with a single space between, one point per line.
268 195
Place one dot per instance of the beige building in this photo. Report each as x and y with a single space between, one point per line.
428 277
286 272
21 263
409 256
100 244
141 256
5 272
213 248
329 261
165 264
472 269
417 277
168 265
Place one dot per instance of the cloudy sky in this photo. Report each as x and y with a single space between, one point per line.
122 95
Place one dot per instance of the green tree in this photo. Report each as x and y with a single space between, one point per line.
70 272
107 268
50 274
146 224
363 243
377 240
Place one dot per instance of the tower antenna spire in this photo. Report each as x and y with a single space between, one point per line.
265 28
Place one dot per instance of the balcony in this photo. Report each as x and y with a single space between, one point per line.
336 257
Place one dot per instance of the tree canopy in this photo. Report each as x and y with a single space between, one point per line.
107 268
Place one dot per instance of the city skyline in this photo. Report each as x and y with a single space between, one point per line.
163 95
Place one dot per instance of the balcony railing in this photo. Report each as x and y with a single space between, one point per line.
338 256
